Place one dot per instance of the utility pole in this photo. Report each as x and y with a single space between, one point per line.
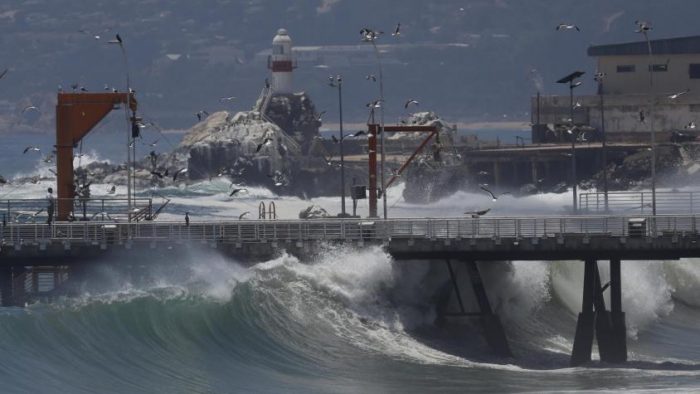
599 76
337 82
569 79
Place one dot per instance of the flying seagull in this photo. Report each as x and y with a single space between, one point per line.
241 216
642 26
565 26
493 196
397 31
158 174
409 102
690 126
31 148
335 139
227 99
369 35
374 104
265 142
178 172
359 133
319 117
3 73
235 191
29 108
476 214
371 77
679 94
117 40
112 190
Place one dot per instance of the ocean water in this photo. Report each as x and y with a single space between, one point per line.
348 321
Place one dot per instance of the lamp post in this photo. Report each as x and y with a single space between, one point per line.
130 142
371 36
599 76
644 28
570 80
337 82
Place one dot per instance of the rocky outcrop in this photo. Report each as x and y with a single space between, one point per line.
296 115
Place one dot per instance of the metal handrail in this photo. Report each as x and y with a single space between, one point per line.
627 202
346 229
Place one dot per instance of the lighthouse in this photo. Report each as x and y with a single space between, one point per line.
281 63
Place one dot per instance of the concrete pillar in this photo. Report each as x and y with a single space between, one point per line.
493 329
533 171
496 174
583 339
6 286
618 352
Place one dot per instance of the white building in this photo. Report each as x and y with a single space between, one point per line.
626 91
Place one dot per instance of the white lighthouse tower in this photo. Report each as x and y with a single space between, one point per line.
281 63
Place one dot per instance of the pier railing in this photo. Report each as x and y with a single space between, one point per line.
104 233
630 202
96 209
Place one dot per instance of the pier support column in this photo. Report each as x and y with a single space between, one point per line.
493 329
618 350
583 340
611 346
6 286
497 174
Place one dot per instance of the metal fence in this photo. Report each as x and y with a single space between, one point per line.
348 229
640 202
101 209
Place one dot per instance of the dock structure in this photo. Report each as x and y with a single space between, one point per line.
29 249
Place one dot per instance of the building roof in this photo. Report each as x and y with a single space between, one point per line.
668 46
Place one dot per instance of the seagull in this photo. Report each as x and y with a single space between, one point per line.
227 99
319 117
3 73
493 196
371 77
29 108
335 139
565 26
31 148
397 31
117 40
234 191
409 102
241 216
266 142
679 94
158 174
178 172
642 26
374 104
359 133
476 214
691 126
201 114
369 35
112 190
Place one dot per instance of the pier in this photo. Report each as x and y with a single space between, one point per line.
28 250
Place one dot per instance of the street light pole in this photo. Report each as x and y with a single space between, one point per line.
369 35
337 82
574 179
644 28
569 79
599 78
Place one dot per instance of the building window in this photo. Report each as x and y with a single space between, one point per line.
694 71
625 68
659 68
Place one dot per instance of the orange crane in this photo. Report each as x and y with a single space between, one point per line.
76 115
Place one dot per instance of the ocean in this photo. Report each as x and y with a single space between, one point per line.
347 321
